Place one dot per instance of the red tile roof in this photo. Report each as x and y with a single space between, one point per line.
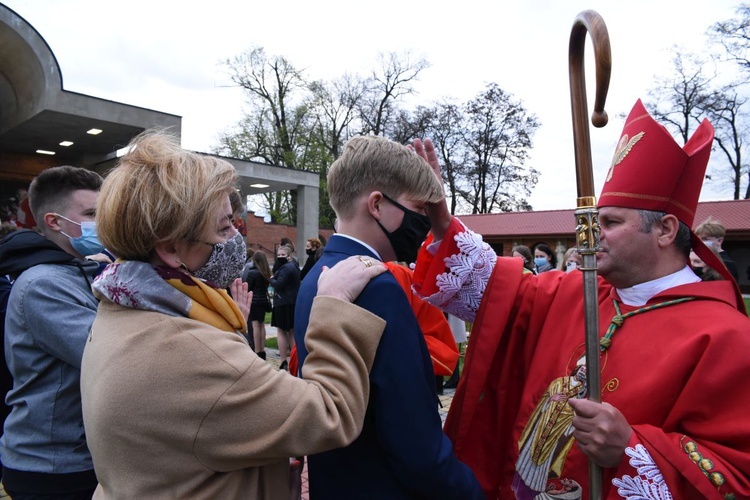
734 215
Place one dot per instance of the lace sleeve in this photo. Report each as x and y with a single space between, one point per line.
648 483
469 262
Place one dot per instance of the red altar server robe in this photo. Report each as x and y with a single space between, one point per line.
435 328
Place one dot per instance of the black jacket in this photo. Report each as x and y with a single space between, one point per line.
285 283
21 250
257 284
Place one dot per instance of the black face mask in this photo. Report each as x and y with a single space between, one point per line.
698 271
310 251
409 236
281 261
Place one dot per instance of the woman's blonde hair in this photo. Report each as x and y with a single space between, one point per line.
373 163
160 193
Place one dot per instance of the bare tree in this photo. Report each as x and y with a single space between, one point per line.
393 80
448 133
334 106
726 110
275 129
682 99
483 144
407 125
270 83
679 98
498 138
734 35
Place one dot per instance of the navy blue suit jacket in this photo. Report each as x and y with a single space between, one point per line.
402 451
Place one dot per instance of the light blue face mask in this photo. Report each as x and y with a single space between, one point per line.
88 243
540 261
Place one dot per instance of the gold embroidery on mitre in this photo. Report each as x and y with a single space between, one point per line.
622 150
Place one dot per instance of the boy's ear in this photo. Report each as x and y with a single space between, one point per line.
374 201
50 221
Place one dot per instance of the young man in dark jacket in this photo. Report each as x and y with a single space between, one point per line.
50 312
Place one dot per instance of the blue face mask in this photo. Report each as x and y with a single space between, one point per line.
540 261
88 243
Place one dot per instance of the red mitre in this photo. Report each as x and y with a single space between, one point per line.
650 171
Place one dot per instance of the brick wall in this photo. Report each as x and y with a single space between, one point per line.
266 236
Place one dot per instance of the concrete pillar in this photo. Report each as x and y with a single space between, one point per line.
307 218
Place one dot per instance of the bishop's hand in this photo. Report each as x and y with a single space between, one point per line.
601 431
440 216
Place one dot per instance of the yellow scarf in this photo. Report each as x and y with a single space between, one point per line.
210 305
163 289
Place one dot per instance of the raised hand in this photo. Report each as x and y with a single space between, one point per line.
440 216
240 294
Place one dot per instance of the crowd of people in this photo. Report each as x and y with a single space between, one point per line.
145 375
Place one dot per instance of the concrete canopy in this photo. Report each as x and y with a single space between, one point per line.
36 113
252 174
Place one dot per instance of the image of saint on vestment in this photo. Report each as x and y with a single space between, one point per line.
547 439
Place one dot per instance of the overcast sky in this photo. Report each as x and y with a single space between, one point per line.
166 55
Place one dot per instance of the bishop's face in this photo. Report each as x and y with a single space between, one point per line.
628 253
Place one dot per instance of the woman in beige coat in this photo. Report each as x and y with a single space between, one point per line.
175 403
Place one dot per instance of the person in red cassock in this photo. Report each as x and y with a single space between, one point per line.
435 328
673 422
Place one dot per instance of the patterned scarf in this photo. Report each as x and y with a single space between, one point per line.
161 289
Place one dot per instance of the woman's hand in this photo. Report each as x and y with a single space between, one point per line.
243 298
348 278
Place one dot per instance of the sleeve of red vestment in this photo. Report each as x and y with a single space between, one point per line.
675 463
691 474
430 266
637 472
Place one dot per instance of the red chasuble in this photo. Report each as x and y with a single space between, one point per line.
679 374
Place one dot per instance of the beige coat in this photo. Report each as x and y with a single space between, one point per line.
174 408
